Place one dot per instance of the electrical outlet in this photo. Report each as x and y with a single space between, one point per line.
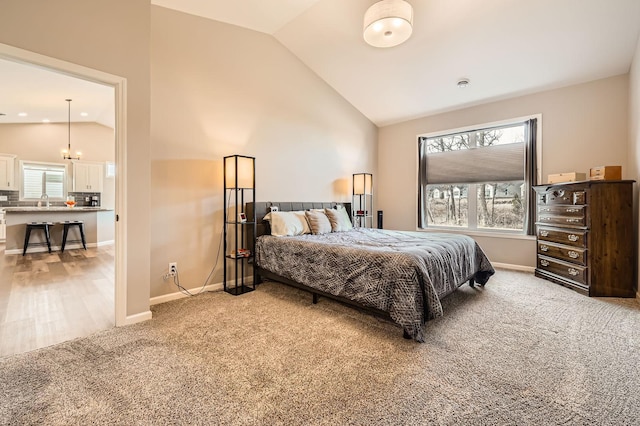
173 268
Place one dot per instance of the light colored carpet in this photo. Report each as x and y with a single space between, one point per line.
520 351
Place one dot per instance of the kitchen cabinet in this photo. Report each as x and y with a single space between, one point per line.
87 176
7 172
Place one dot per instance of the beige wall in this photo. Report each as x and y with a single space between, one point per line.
111 36
634 128
43 142
582 126
217 90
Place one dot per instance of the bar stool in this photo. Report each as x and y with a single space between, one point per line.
69 223
44 226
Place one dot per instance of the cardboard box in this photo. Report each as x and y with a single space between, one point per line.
606 173
566 177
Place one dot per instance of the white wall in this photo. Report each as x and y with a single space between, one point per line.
216 90
582 126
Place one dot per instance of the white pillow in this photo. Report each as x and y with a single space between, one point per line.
285 224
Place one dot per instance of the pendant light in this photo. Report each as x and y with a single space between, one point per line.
66 153
388 23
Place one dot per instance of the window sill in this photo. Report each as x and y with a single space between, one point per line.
502 235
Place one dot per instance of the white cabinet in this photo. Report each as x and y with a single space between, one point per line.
87 177
7 172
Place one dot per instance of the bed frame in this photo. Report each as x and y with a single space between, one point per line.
261 209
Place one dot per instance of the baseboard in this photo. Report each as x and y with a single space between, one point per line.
102 243
134 319
180 295
512 267
73 246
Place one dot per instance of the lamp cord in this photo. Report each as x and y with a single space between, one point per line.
176 277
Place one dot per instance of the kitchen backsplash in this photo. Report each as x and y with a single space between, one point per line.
83 199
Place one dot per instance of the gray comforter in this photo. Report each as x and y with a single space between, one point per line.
402 273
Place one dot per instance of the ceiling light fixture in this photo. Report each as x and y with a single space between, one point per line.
388 23
22 114
66 153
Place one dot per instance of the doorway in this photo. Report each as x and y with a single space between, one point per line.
39 262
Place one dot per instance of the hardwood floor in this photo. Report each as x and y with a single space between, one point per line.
50 298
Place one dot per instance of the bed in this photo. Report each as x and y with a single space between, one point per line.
399 275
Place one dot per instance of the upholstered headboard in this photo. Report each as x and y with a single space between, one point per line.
263 207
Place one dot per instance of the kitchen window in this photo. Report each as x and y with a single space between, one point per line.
43 178
478 179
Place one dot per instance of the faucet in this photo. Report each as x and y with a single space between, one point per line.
45 197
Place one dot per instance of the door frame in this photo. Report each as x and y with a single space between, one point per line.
119 85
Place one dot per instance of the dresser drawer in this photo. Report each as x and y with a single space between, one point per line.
569 271
562 196
573 211
574 238
562 220
569 254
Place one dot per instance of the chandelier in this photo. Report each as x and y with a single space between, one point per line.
66 153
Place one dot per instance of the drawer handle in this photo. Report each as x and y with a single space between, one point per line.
545 219
544 248
573 272
572 210
574 220
545 210
544 262
544 233
573 237
573 254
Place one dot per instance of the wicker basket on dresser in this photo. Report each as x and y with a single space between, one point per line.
585 236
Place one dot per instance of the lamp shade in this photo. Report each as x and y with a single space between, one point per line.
238 171
362 184
388 23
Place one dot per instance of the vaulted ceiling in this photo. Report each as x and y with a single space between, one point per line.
505 48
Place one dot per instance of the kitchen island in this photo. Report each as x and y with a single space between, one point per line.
99 227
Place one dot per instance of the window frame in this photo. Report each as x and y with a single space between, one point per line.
27 163
472 218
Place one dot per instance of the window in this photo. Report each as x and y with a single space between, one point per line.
43 178
478 179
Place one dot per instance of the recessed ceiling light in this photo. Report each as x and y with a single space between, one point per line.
22 114
46 120
463 82
84 114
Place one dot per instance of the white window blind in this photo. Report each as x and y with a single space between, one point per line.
39 179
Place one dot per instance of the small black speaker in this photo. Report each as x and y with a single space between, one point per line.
379 219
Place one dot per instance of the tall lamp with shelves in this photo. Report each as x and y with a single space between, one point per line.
362 200
239 244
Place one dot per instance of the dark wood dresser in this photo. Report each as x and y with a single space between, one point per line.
585 236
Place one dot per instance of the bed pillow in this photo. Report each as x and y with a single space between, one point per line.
285 224
318 222
339 220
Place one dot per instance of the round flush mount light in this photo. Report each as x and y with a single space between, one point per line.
388 23
463 82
